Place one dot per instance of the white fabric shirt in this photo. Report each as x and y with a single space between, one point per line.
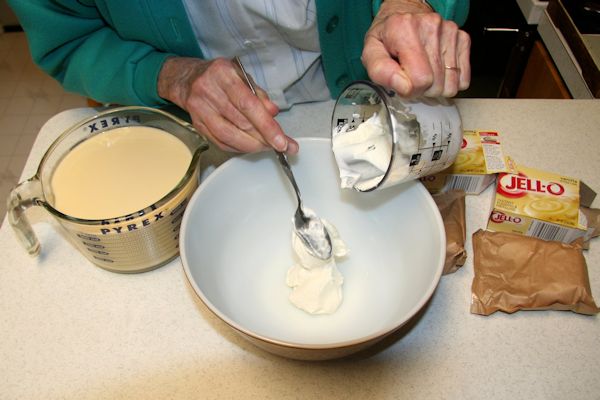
277 41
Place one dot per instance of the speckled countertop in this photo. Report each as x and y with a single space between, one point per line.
69 330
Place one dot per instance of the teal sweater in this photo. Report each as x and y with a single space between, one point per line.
113 50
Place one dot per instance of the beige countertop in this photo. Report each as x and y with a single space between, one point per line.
70 330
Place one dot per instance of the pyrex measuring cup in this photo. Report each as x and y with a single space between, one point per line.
406 139
140 241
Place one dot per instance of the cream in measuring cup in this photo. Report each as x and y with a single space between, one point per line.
118 183
380 139
119 172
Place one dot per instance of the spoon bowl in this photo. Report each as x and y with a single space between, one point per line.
309 228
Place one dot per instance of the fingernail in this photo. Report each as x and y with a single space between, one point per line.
280 143
275 107
292 148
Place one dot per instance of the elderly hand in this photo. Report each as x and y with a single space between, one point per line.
412 50
222 106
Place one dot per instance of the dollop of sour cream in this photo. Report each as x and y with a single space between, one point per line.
362 154
316 284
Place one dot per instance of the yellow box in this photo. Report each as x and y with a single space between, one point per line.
476 165
540 204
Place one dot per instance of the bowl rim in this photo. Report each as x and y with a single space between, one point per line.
379 334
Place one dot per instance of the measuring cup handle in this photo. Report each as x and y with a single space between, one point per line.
26 194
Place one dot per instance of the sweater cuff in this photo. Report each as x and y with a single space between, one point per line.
145 80
375 6
454 10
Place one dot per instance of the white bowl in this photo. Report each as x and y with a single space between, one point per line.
236 249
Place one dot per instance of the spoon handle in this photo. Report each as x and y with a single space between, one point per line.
288 171
238 62
280 156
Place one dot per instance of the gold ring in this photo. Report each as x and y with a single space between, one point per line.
452 68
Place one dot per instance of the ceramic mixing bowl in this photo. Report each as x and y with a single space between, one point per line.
236 249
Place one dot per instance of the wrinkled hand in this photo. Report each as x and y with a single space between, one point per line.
221 105
414 51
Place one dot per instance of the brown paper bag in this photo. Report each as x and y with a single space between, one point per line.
592 216
452 209
515 272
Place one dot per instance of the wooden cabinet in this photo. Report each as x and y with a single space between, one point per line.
541 79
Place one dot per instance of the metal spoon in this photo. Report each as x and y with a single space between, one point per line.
310 229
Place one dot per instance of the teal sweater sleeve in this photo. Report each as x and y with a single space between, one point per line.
76 42
113 50
454 10
342 26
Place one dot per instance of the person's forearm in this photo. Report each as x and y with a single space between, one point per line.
86 55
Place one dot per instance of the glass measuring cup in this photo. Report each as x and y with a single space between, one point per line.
140 241
408 139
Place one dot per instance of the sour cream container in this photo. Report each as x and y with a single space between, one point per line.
380 139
